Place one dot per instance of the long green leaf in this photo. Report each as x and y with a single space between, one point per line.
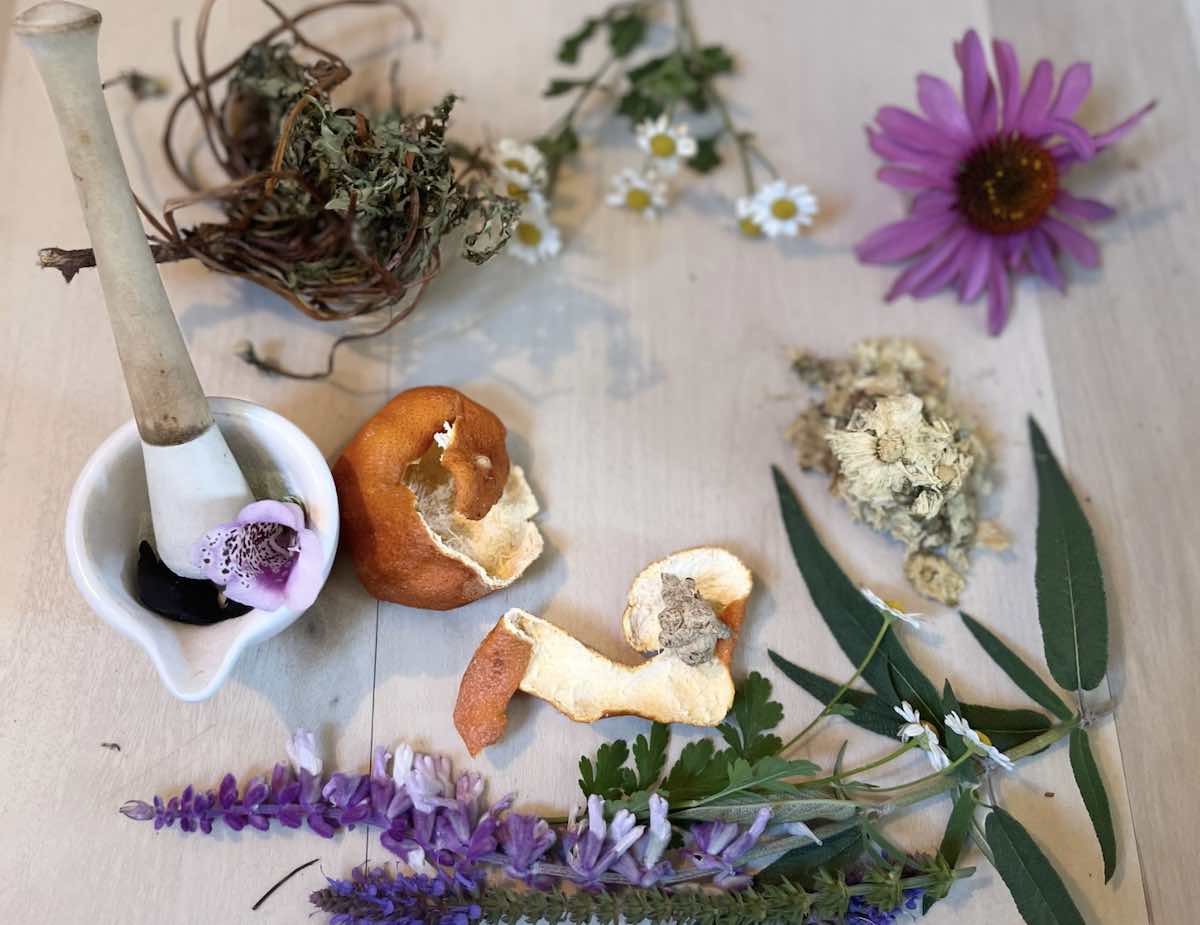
1006 728
871 711
1095 798
744 810
835 852
850 617
1016 668
1036 887
1070 585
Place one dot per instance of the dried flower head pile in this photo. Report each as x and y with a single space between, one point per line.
905 460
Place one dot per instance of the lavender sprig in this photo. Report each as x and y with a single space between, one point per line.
438 825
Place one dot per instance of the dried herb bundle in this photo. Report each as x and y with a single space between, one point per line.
340 214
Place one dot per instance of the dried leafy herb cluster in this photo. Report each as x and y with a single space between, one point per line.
341 213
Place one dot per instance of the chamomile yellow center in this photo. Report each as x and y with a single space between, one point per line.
516 165
662 145
750 228
1007 184
983 737
518 192
784 208
637 199
529 234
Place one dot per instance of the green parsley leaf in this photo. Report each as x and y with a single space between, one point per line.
560 85
755 714
650 755
609 777
625 33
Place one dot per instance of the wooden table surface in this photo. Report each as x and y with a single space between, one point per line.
643 377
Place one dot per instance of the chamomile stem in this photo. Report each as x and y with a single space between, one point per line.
937 775
862 769
741 140
841 691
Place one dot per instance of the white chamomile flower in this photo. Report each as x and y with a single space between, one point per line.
637 191
535 238
912 619
521 167
665 142
915 728
780 209
747 224
977 741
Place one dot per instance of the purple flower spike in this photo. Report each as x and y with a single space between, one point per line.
987 175
524 840
718 846
265 559
591 848
643 865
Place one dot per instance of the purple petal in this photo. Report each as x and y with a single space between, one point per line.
951 267
900 240
932 201
1041 258
911 130
1037 99
1115 134
1077 137
919 272
305 579
979 95
1073 89
272 512
259 595
892 150
1009 72
912 179
998 296
939 103
1073 241
1088 210
136 809
975 269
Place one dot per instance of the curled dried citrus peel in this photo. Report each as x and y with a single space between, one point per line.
433 513
526 653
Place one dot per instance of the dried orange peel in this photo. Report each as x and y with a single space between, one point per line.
526 653
433 512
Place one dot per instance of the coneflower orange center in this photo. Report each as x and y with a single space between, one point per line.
1006 184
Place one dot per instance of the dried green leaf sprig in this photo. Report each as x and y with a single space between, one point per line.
340 213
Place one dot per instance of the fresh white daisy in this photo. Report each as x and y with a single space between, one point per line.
665 142
745 208
780 209
915 728
638 191
535 238
912 619
977 741
521 167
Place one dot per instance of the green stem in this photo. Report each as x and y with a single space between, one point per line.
567 119
936 775
687 31
841 691
862 769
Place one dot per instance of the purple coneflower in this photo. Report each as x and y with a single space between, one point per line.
987 172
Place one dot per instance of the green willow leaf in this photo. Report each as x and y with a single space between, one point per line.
836 852
1095 798
955 746
1016 668
1070 585
744 810
1036 887
869 711
1006 728
850 617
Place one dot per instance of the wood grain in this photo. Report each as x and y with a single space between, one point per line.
643 378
